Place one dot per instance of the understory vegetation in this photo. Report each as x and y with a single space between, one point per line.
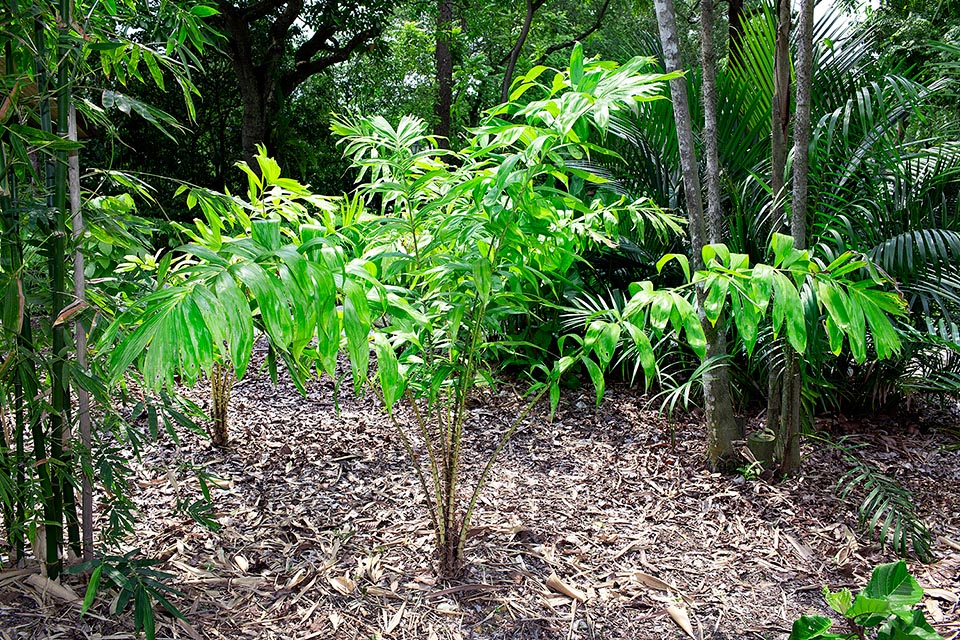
763 232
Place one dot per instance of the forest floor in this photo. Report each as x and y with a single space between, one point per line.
325 533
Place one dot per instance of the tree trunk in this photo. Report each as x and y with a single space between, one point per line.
798 223
251 80
444 60
221 383
780 127
722 427
514 55
720 424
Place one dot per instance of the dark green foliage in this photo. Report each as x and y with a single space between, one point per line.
138 585
887 512
883 610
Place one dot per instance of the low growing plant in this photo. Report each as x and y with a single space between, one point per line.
884 610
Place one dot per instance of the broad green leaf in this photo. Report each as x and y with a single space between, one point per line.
839 601
747 318
909 625
576 65
266 233
835 336
810 627
716 297
92 587
644 352
388 370
787 305
782 246
894 584
835 301
596 375
271 299
483 277
761 285
693 330
868 611
679 257
356 326
238 318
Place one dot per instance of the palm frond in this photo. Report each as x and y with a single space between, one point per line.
887 512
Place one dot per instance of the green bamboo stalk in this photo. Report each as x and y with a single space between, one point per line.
52 498
61 394
80 332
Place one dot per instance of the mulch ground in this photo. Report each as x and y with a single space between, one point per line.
600 524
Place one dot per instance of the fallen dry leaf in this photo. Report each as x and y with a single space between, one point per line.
241 563
52 588
558 585
942 594
679 615
343 584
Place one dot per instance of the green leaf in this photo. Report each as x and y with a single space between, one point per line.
483 277
388 370
787 305
746 315
868 611
596 375
761 285
810 627
92 587
576 65
266 233
644 352
894 584
716 297
203 11
356 325
239 321
679 257
782 246
839 601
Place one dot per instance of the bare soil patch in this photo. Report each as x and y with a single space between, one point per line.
325 533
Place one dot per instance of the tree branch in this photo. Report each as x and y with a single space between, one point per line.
307 68
580 36
532 7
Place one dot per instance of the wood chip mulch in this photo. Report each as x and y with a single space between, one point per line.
602 524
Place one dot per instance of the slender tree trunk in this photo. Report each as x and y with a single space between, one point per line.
221 383
80 336
720 424
722 427
780 128
793 384
444 60
532 6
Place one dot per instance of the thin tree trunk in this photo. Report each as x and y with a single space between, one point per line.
780 127
444 60
722 427
80 336
720 424
514 55
798 225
